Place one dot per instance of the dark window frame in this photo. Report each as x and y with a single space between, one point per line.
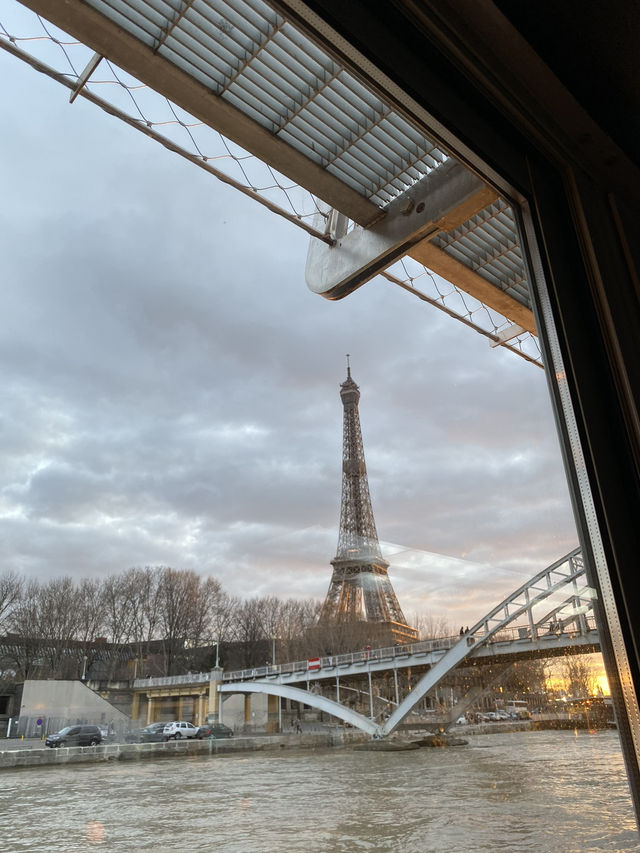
507 115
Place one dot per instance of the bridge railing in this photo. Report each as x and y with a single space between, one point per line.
335 663
331 662
343 660
174 680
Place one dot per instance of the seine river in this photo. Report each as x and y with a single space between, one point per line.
524 792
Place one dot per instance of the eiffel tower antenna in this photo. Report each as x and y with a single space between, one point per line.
360 589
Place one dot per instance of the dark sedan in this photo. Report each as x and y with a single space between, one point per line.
150 734
75 736
215 730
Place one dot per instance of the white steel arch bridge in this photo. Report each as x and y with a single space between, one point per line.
550 614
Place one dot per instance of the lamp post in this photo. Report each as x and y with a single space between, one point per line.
84 667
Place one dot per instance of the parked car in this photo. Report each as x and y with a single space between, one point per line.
461 721
179 729
75 736
502 715
149 734
216 730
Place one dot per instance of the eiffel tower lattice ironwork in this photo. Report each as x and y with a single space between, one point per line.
360 589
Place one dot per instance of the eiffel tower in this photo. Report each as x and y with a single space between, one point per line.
360 590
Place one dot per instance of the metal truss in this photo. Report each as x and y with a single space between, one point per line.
316 700
552 600
554 609
360 589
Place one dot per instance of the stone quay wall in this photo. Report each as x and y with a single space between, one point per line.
42 756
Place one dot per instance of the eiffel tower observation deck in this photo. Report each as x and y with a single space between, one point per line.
360 591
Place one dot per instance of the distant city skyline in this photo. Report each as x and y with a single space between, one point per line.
171 389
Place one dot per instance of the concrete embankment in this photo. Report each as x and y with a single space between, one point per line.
42 756
37 755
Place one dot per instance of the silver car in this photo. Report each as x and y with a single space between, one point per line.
179 729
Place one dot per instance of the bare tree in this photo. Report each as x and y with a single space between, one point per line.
25 643
206 608
431 627
11 586
580 676
90 610
249 632
59 621
153 620
90 622
45 621
141 598
296 633
118 598
184 615
222 616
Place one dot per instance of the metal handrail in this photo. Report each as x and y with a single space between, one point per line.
506 635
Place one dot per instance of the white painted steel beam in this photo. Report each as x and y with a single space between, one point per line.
507 335
307 698
447 662
84 77
441 201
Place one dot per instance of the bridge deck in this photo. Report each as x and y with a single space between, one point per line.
512 642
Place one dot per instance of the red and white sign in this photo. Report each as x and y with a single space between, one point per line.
314 664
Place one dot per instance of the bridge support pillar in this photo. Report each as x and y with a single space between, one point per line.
135 706
247 709
150 709
203 708
273 713
215 703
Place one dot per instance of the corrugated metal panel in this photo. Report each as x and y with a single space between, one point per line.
488 244
250 56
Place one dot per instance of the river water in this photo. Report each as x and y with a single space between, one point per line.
521 792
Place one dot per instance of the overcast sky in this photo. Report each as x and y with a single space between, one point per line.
170 388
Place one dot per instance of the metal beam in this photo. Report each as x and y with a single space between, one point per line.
307 698
475 285
430 679
441 201
84 77
129 53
